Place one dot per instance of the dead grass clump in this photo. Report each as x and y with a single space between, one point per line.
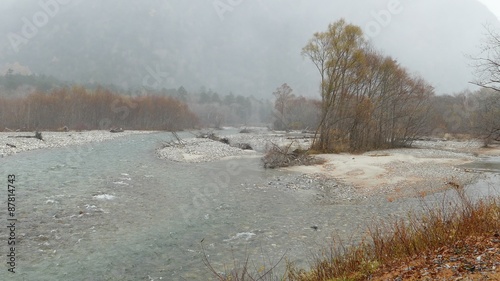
245 271
277 157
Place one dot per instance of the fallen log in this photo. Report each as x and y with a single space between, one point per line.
277 157
11 145
37 135
116 130
244 146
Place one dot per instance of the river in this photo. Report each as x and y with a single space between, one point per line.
114 211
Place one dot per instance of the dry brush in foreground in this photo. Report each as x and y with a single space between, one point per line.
460 240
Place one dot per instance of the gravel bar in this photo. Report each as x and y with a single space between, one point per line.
10 143
196 150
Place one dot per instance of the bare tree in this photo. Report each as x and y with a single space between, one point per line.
368 101
487 64
486 115
283 96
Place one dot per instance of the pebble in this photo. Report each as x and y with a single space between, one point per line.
10 146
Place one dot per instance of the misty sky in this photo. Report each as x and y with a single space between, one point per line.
493 6
240 46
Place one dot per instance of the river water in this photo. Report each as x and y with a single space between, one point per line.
114 211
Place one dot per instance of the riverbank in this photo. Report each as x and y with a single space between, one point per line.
429 167
73 202
11 143
198 149
396 173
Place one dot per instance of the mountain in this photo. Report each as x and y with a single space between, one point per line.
247 47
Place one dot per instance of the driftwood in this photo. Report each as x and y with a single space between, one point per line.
244 146
63 129
277 156
24 129
213 137
177 141
11 145
37 135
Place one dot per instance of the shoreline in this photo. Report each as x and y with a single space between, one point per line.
429 167
196 150
10 146
426 168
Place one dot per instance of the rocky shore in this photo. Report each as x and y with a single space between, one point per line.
12 143
430 166
206 150
200 150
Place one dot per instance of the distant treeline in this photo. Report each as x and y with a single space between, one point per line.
15 84
213 110
78 108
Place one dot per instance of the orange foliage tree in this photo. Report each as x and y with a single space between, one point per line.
81 109
368 101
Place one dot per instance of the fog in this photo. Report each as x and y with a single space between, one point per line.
244 47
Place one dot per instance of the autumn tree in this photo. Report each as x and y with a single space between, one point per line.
78 109
283 96
228 110
292 112
334 53
368 101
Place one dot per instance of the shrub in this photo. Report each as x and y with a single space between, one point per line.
277 156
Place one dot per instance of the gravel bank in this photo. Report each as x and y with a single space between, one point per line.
206 150
323 189
465 146
196 150
9 146
429 172
393 173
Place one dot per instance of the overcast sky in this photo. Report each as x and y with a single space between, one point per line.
493 5
248 48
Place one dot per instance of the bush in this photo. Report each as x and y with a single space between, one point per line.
276 157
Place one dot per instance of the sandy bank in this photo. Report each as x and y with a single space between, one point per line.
427 168
399 172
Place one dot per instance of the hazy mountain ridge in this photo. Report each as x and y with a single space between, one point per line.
252 48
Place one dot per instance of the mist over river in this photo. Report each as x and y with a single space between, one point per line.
114 211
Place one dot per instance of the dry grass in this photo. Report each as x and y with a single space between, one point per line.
245 271
284 156
388 247
406 239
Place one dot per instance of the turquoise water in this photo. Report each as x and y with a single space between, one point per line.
485 164
113 211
